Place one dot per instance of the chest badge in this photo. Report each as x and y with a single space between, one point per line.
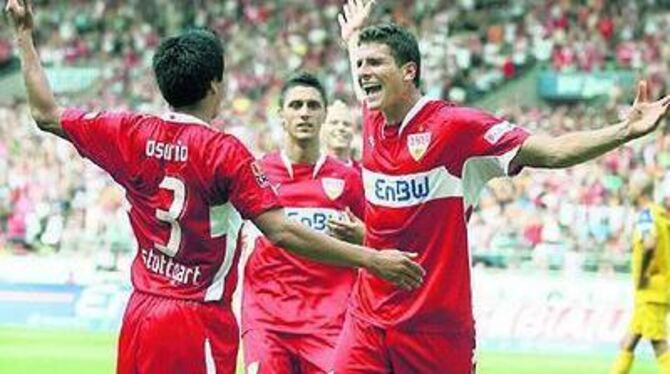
417 144
333 187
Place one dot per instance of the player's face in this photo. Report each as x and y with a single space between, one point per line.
303 113
383 82
339 128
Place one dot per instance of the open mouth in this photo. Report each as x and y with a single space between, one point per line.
371 88
305 126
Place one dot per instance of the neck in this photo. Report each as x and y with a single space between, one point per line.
302 153
341 154
195 112
395 114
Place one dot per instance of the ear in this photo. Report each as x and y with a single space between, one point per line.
280 113
214 87
409 71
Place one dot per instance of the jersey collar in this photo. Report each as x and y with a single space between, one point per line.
289 166
413 112
183 118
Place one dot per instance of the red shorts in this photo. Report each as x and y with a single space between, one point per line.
276 352
366 348
163 335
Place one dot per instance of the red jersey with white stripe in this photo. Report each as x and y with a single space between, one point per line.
189 187
283 292
421 178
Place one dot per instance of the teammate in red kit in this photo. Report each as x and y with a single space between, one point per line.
293 309
424 163
339 133
189 187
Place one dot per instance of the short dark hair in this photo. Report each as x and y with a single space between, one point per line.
185 65
402 43
303 78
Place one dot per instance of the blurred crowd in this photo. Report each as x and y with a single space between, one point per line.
52 200
575 219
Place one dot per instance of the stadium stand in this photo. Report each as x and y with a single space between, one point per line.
53 202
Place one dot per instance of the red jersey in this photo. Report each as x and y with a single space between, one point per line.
356 165
421 179
284 292
189 187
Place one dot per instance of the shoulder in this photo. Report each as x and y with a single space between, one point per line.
220 147
224 139
81 115
447 120
464 116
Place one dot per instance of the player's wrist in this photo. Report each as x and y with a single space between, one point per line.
368 258
624 133
24 36
350 41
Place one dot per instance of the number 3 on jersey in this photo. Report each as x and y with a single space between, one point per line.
172 215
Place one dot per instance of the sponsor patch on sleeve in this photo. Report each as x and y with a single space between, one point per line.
259 174
497 131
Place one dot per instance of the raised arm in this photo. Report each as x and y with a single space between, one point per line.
570 149
392 265
43 107
353 18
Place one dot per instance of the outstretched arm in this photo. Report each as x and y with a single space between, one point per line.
570 149
43 107
392 265
354 16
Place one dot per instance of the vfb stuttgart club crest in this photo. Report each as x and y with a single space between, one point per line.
333 187
417 144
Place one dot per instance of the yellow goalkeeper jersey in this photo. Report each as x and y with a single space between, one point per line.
653 221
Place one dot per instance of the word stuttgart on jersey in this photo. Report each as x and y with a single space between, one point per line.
162 264
167 151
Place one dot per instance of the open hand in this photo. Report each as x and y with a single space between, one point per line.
645 115
350 228
398 268
355 14
21 13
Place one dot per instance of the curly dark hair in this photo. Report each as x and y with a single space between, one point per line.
185 65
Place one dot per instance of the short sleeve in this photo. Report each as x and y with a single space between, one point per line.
247 185
98 136
487 146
